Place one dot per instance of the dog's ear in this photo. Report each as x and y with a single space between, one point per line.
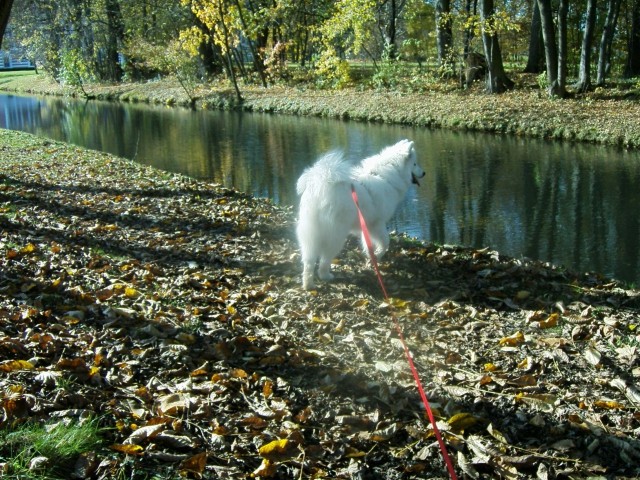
410 150
408 144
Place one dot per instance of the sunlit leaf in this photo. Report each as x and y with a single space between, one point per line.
550 321
490 367
127 449
266 469
592 355
461 422
513 340
15 365
275 448
131 292
608 404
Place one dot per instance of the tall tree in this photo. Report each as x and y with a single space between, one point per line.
554 87
534 60
606 41
632 68
563 9
388 22
444 35
114 41
5 13
584 75
470 10
497 80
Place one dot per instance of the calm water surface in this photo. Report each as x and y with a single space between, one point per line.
570 204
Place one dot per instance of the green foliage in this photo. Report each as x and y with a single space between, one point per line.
75 71
331 71
58 445
390 73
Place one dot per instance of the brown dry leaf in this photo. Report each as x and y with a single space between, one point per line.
194 465
266 469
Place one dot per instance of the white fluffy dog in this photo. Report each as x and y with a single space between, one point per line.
327 210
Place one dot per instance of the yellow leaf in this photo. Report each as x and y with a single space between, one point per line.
398 303
524 363
131 292
29 248
551 321
277 447
490 367
514 340
462 421
14 365
127 449
497 434
609 404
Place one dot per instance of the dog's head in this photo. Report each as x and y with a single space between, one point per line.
414 169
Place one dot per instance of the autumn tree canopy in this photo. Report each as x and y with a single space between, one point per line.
326 41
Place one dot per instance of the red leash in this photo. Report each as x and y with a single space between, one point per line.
414 371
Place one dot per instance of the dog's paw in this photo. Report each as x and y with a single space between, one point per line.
326 276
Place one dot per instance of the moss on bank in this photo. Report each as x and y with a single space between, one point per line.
604 118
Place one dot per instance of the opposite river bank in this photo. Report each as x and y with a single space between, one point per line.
608 117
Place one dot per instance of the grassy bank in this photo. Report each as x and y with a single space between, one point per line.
170 312
606 116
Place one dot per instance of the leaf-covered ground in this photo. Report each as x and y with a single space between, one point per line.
171 310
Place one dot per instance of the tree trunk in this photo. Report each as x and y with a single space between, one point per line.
115 28
563 9
497 80
604 57
470 7
550 47
444 34
390 28
5 12
256 48
584 78
534 61
228 55
632 68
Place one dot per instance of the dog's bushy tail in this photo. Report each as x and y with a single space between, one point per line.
330 169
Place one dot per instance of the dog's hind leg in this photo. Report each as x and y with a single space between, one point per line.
379 238
324 269
307 275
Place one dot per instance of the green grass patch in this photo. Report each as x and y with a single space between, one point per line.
46 451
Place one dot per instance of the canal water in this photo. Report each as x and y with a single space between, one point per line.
570 204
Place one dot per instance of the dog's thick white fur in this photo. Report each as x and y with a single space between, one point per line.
327 211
